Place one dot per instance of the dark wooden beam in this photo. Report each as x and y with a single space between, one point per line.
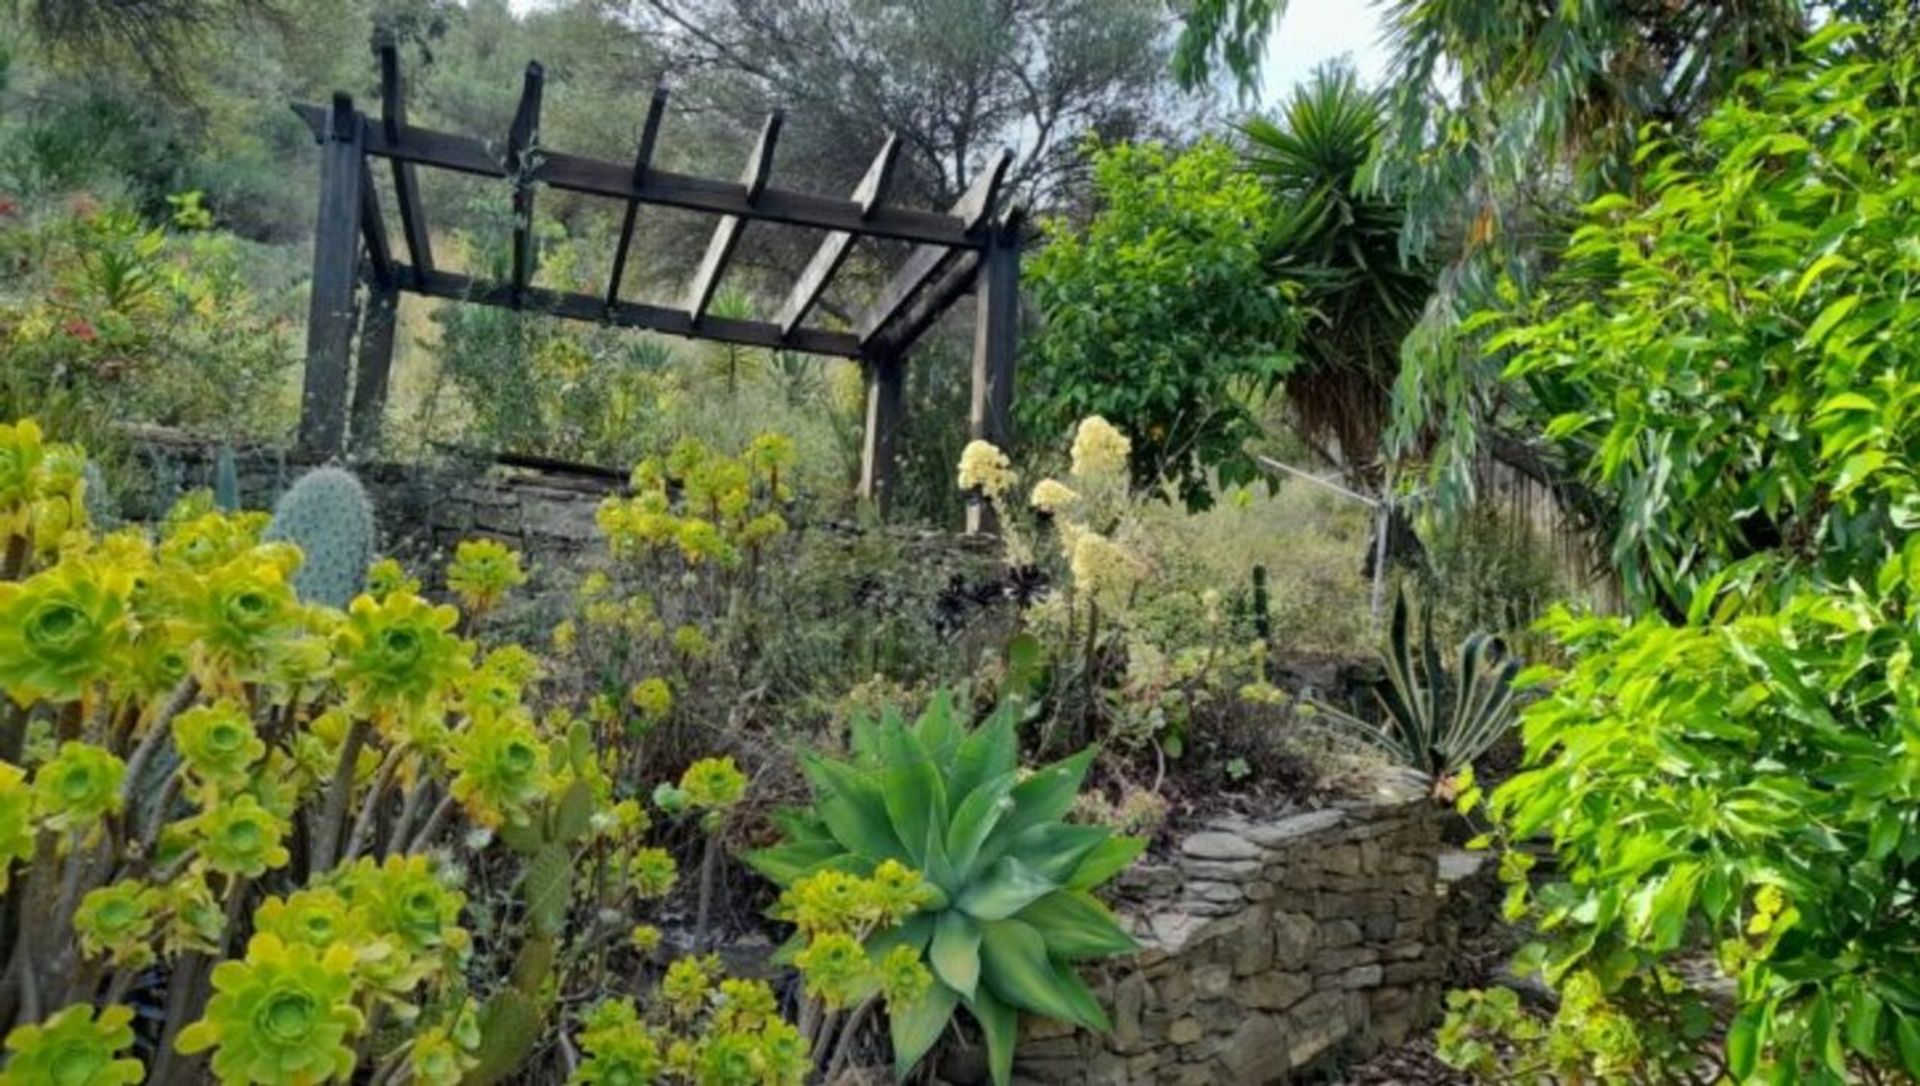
378 326
336 263
655 318
996 342
406 187
574 173
522 141
926 263
642 162
834 248
373 227
886 413
726 234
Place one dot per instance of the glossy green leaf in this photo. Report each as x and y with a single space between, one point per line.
917 1026
1004 889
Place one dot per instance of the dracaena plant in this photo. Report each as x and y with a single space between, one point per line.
231 808
1010 912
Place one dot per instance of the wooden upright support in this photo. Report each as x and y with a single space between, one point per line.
886 411
996 341
522 140
336 262
377 328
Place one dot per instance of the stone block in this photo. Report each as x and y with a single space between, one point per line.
1335 961
1288 830
1257 1051
1212 981
1216 845
1293 939
1335 934
1274 991
1221 870
1360 976
1341 860
1185 1031
1320 1022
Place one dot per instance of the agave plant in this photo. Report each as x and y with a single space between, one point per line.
1436 722
1013 910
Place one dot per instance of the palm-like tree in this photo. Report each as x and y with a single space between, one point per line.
1341 244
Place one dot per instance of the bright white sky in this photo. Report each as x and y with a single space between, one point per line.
1315 31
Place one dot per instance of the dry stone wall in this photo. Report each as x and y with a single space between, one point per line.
1270 948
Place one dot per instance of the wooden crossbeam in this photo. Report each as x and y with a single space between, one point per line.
593 177
655 318
726 234
406 187
522 139
927 262
373 226
642 162
834 247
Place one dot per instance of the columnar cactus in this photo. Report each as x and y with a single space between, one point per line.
226 481
327 515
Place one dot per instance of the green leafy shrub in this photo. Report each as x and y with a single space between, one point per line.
1732 357
1161 316
105 317
1010 911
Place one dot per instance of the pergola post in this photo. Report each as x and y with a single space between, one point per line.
886 410
996 340
377 327
336 260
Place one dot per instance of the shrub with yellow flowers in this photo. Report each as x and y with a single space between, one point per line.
306 823
1134 652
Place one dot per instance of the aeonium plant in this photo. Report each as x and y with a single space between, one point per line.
1007 910
319 844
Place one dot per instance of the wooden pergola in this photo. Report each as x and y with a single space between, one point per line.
970 247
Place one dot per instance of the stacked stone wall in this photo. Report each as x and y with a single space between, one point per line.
1269 949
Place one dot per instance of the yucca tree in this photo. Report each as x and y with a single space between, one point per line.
1341 243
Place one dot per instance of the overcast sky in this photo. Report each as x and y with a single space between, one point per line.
1315 31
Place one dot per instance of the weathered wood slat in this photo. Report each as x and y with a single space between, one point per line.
926 263
834 247
373 228
372 375
726 233
522 140
677 322
574 173
406 187
642 162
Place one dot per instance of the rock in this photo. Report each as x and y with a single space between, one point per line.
1186 1031
1212 981
1360 976
1172 930
1335 934
1215 892
1221 870
1216 845
1288 830
1293 939
1341 860
1316 1025
1257 1051
1274 991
